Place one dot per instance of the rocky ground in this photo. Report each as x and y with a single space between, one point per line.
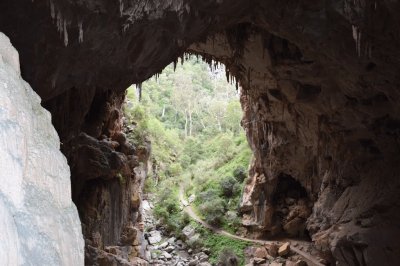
273 255
165 249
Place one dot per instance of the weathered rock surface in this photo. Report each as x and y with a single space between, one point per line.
39 224
320 98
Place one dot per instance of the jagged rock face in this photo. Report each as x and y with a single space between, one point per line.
39 224
320 90
108 174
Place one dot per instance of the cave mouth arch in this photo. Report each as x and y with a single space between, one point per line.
193 103
300 107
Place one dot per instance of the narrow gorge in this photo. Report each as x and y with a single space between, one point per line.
319 83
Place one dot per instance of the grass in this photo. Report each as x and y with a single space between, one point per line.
217 243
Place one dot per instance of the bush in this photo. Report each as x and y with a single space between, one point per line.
149 185
227 257
240 174
207 195
213 211
227 185
175 169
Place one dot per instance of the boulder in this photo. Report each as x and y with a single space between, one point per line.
146 205
166 255
273 250
155 237
275 263
284 249
260 252
188 231
171 240
259 260
194 262
300 263
138 262
191 198
163 245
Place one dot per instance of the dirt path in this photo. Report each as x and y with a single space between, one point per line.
310 259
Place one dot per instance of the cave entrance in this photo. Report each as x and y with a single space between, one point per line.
191 115
292 205
288 188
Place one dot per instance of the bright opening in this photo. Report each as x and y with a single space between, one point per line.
199 158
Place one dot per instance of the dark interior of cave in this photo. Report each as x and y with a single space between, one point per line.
288 187
320 83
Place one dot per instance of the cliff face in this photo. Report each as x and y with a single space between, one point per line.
320 91
107 174
39 224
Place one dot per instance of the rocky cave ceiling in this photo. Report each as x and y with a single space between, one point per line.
321 91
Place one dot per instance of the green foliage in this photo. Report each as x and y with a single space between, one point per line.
213 210
240 173
219 244
149 185
227 185
169 211
192 117
175 169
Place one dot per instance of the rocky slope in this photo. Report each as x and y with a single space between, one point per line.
320 82
39 224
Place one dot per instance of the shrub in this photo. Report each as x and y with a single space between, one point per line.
227 185
213 211
207 195
227 257
175 169
240 174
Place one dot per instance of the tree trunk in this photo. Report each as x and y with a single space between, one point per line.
190 123
163 111
186 124
202 123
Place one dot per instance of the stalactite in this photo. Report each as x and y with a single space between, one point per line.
80 39
59 23
139 91
52 10
65 33
121 7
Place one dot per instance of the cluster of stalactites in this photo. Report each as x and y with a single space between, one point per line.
362 12
63 23
137 10
212 63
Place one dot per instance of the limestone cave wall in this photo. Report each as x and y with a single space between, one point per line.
320 91
39 223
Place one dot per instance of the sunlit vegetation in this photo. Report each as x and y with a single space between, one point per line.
192 117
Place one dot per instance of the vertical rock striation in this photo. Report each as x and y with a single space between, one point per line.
39 224
107 174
